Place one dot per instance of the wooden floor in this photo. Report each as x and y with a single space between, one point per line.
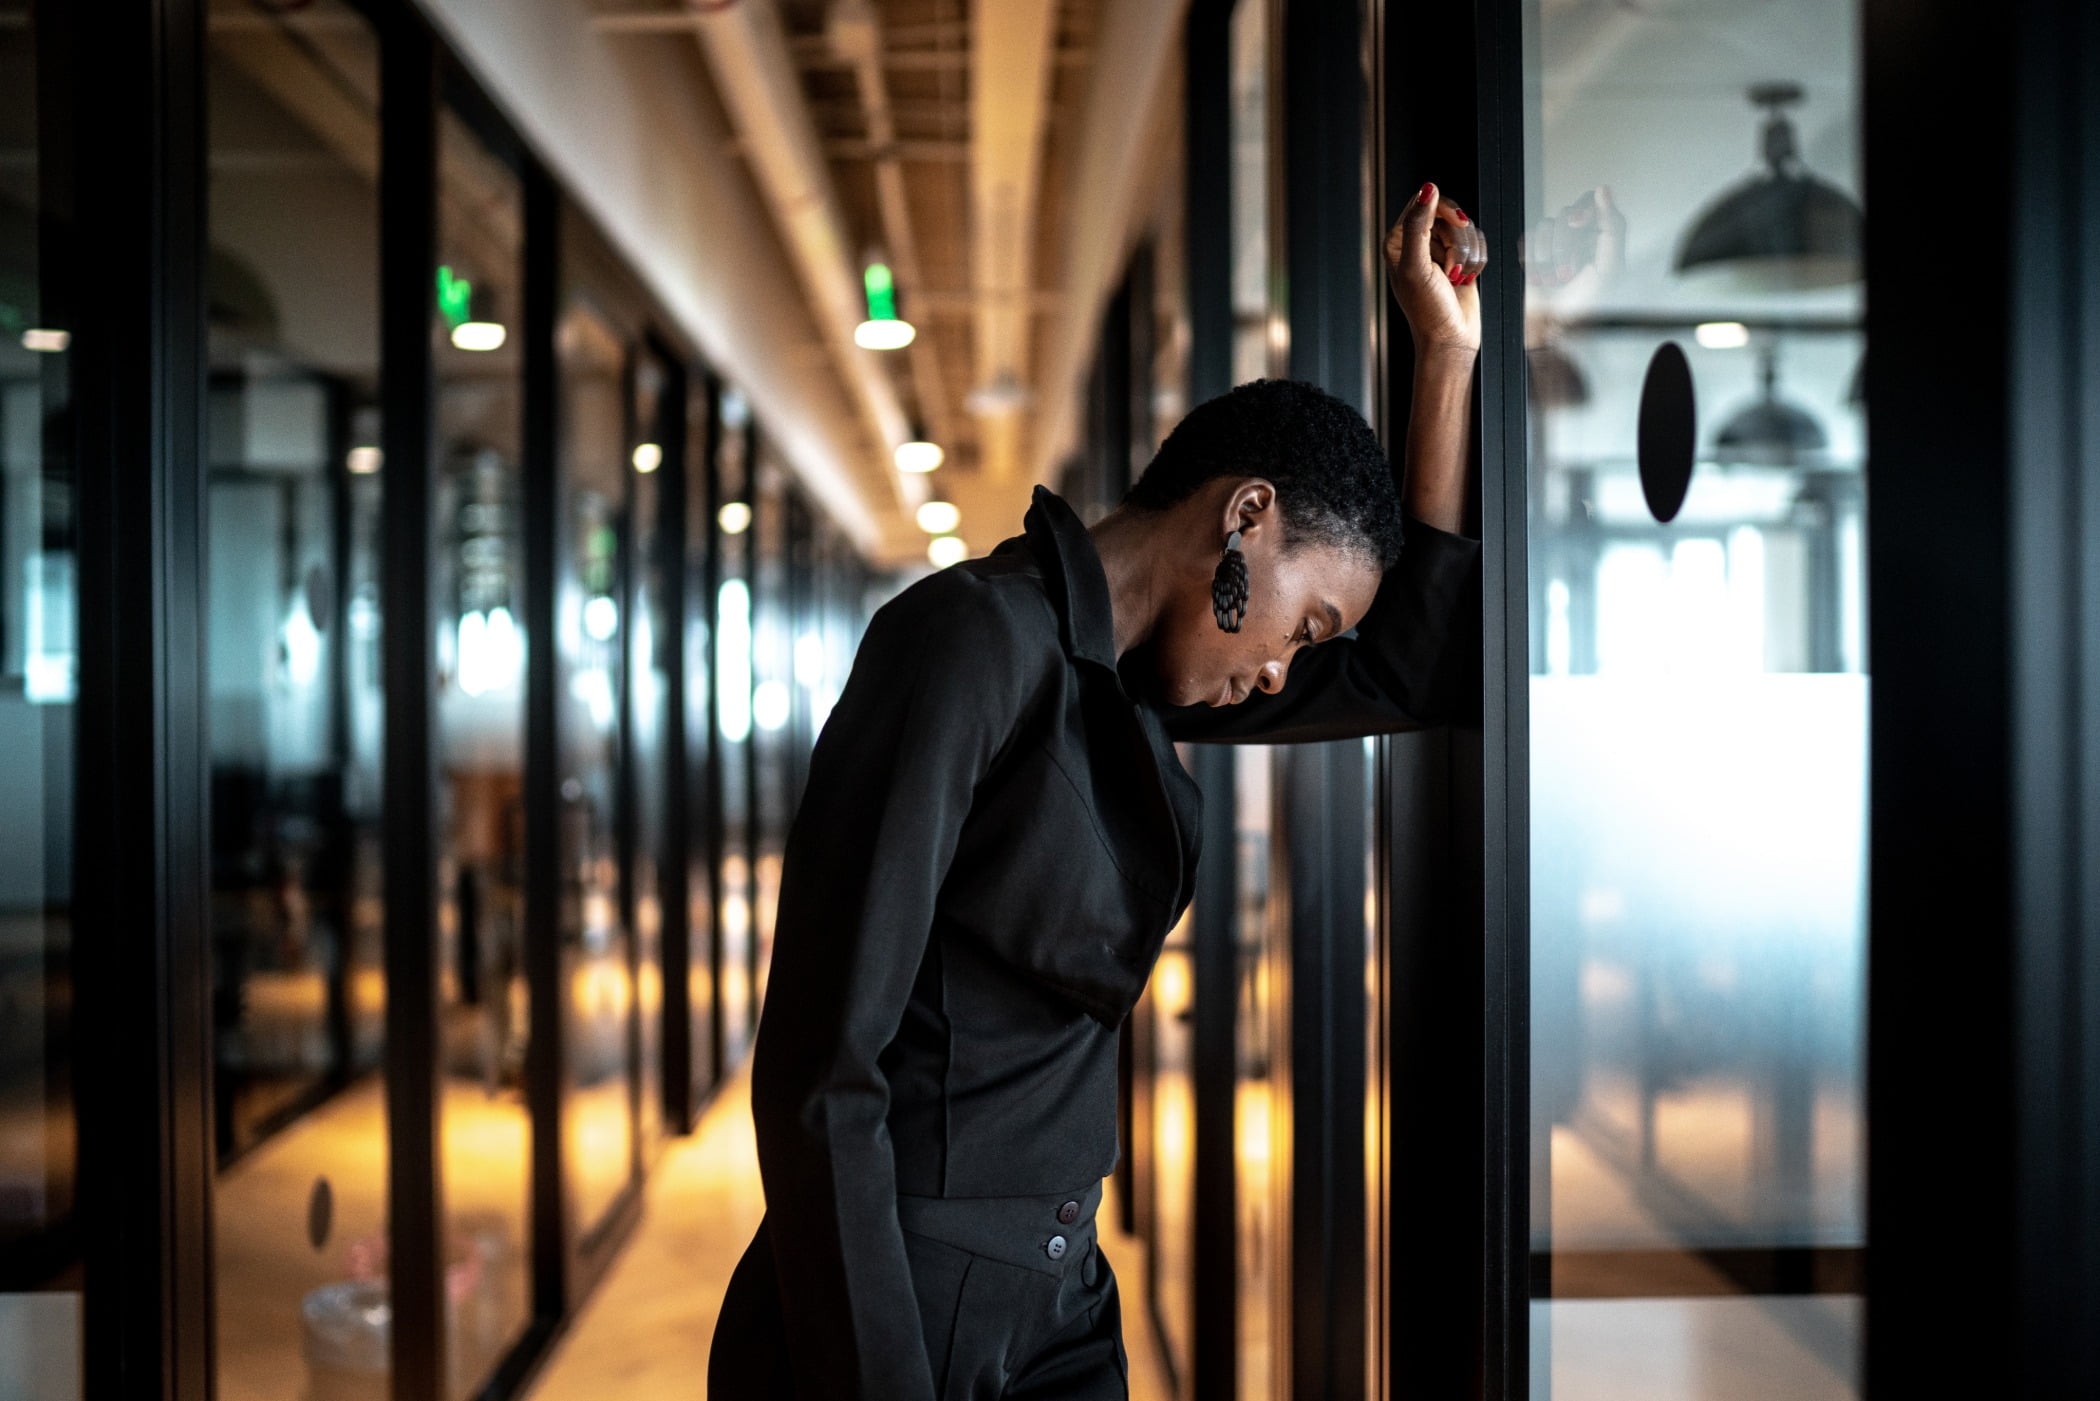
643 1336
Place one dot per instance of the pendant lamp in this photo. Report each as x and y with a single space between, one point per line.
1771 432
1552 379
1782 228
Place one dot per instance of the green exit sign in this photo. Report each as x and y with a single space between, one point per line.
455 298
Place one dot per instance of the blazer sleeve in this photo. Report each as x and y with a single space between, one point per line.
1401 669
935 692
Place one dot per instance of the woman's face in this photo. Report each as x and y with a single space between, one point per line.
1297 595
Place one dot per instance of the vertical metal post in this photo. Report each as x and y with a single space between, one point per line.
1207 134
1327 245
1501 884
674 865
709 605
126 276
1983 1051
408 257
1456 859
542 957
754 799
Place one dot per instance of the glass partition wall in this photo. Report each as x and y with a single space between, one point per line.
599 1148
657 392
484 1113
40 1259
702 857
386 294
294 701
1697 701
735 766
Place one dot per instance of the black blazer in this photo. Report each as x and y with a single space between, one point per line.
995 840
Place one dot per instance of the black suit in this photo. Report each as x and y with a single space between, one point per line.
995 839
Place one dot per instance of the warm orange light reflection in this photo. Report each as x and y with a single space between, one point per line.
599 988
650 988
1170 982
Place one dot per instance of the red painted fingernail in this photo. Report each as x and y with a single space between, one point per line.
1423 197
1461 215
1456 277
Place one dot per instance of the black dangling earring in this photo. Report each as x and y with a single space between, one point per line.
1228 587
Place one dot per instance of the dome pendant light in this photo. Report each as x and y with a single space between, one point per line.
1783 228
1771 432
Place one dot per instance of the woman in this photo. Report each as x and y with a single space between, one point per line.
997 836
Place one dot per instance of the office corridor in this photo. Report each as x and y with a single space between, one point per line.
644 1334
1393 678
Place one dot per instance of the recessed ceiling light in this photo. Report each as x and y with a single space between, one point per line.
887 334
939 517
478 335
919 456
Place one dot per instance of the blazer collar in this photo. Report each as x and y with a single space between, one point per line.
1072 571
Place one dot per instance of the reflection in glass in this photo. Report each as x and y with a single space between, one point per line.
733 687
294 703
1261 952
649 692
1172 1138
701 835
773 597
598 1149
1262 1085
1252 351
1698 730
485 1126
1378 1190
39 1267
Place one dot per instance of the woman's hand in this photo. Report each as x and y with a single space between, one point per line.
1432 283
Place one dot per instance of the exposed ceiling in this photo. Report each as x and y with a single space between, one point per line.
942 136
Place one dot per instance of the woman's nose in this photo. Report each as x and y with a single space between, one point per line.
1270 677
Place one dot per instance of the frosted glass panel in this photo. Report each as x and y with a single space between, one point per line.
1698 936
1698 756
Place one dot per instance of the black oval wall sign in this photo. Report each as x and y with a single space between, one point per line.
1669 432
320 1213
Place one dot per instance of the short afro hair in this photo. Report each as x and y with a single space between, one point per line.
1333 483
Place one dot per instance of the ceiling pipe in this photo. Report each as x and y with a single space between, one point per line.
1139 39
746 48
855 32
1012 46
617 122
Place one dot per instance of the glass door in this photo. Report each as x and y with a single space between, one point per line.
41 1276
652 611
295 481
599 1148
1692 303
736 996
482 643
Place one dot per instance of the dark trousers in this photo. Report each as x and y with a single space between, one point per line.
1006 1315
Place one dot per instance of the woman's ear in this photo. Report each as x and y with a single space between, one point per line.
1250 508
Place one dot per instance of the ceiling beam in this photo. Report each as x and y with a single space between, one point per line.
855 33
1011 46
747 52
1138 43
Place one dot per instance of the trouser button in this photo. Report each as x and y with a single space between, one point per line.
1068 1213
1055 1247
